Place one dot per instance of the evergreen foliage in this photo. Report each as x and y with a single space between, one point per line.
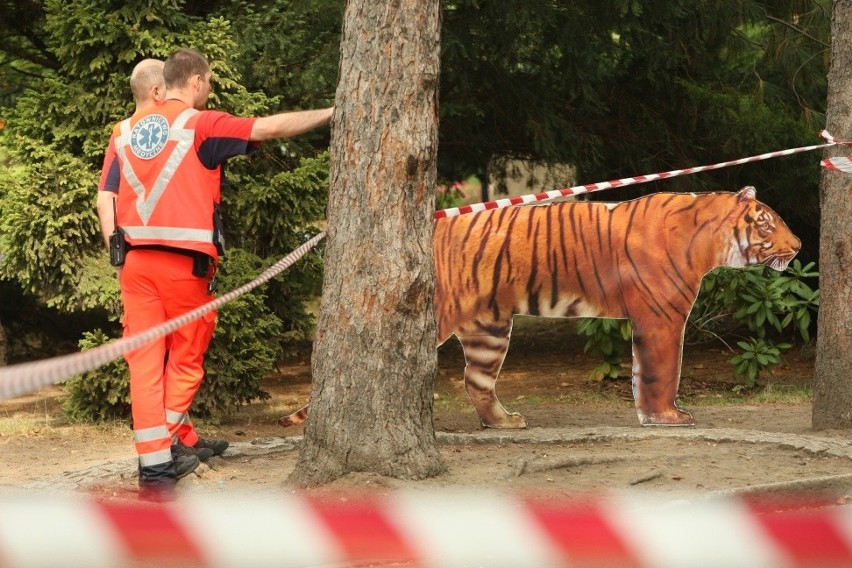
56 133
102 395
245 347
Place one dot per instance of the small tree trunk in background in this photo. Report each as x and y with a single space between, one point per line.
374 360
832 407
3 345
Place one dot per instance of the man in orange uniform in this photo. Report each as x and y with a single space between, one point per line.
148 88
167 170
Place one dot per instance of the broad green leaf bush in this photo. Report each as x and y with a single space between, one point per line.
609 340
757 307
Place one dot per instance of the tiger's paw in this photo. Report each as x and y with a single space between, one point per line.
672 417
508 422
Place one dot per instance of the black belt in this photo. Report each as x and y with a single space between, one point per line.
200 260
164 248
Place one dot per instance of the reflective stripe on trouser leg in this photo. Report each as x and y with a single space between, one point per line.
181 425
153 446
156 467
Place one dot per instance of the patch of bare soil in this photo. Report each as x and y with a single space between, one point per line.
583 436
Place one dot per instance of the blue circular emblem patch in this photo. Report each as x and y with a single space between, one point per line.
148 137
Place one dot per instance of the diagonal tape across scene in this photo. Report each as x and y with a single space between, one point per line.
23 378
588 188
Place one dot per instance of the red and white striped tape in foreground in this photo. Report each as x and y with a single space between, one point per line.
413 528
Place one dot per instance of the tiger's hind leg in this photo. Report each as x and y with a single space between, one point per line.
656 375
484 356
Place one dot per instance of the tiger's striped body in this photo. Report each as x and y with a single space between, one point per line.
642 260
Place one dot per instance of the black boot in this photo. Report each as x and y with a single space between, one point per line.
179 449
215 446
184 465
157 482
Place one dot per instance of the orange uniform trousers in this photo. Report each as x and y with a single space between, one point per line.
157 286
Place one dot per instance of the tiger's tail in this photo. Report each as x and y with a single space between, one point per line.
298 417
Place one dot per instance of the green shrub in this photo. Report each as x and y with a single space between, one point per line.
757 355
758 301
102 395
759 298
448 196
607 338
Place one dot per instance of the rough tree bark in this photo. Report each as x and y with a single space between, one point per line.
374 361
832 406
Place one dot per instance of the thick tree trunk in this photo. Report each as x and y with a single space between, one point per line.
374 360
832 407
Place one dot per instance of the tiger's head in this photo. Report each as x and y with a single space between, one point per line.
759 235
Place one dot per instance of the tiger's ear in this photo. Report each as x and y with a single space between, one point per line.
747 193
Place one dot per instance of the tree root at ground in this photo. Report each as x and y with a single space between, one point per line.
537 465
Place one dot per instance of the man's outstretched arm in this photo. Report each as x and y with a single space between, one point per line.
288 124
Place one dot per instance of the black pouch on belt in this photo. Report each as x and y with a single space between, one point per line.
200 264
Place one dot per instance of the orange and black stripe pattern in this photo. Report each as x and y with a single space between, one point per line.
642 259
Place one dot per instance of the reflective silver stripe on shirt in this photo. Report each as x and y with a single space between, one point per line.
173 417
177 132
151 434
155 458
170 234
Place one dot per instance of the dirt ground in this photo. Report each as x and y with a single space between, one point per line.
582 436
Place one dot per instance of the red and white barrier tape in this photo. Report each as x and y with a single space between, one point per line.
23 378
838 164
588 188
414 528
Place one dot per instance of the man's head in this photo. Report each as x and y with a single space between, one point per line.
187 70
147 83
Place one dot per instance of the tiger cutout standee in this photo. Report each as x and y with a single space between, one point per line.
641 260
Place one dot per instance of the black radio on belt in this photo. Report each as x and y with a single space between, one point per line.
117 244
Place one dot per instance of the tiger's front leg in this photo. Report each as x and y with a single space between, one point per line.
656 374
484 356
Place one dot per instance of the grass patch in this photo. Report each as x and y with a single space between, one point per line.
23 425
768 394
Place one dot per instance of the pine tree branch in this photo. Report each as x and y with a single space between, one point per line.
798 30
